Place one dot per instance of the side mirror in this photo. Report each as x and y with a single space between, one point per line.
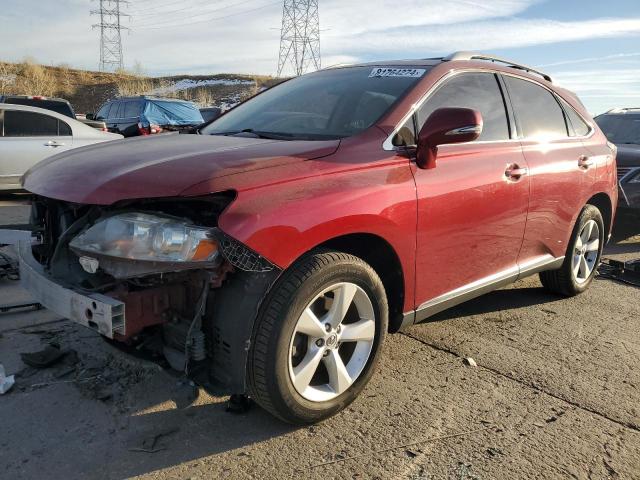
446 126
90 116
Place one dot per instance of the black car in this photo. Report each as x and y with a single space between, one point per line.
622 127
58 105
144 115
210 113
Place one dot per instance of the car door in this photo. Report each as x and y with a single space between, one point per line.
29 137
130 118
472 207
560 169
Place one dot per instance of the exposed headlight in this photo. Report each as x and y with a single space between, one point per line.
139 236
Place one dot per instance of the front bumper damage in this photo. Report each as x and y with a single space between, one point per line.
201 319
99 312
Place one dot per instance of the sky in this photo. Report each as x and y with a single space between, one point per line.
589 46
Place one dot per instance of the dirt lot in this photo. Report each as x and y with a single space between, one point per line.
556 394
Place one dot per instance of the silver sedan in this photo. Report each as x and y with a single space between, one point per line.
29 135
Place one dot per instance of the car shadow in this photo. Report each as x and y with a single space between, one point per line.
156 440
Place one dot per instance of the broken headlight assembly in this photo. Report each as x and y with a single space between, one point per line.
167 242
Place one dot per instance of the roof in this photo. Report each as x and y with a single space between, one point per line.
460 56
29 108
150 97
36 97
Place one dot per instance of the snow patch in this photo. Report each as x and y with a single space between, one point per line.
188 83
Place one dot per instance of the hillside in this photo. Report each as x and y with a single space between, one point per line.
87 90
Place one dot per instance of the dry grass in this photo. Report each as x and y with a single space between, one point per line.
88 90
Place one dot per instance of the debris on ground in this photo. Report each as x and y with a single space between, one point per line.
625 272
6 382
153 443
470 362
239 403
8 267
44 358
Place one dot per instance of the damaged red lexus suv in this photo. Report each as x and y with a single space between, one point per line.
272 252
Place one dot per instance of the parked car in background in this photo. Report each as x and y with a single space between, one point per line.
59 105
272 252
622 127
29 135
210 113
144 115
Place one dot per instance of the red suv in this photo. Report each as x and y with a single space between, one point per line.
273 252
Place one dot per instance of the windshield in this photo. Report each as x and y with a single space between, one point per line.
620 129
329 104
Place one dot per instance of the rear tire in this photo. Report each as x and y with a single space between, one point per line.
327 315
582 256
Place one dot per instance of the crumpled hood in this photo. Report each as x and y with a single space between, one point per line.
628 155
161 166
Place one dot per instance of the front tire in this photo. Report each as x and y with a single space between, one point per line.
318 338
582 258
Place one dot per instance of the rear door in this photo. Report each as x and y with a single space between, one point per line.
130 118
27 138
471 210
560 170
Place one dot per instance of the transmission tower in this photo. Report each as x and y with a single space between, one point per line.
300 36
110 37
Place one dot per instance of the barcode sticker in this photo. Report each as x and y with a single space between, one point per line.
397 72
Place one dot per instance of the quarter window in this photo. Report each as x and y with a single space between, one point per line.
29 124
577 126
537 111
478 91
64 130
131 109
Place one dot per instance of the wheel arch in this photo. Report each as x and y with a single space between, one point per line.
382 257
602 202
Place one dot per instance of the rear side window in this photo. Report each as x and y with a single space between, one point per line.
64 130
131 109
29 124
104 111
117 109
538 113
478 91
577 126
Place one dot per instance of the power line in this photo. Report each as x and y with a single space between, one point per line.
159 22
110 34
158 12
300 36
208 20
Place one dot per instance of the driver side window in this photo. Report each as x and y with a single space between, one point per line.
478 91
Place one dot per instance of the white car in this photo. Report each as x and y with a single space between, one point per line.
29 135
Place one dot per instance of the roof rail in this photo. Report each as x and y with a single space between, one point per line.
481 56
622 109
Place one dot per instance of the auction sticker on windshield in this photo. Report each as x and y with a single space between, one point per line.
397 72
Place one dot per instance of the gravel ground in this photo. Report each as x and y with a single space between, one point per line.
555 394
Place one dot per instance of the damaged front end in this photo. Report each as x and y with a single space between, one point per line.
157 274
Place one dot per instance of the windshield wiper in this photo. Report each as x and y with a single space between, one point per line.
260 134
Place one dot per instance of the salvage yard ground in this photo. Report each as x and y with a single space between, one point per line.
556 394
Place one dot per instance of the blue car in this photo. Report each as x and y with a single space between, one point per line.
144 115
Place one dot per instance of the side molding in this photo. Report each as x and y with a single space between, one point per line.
480 287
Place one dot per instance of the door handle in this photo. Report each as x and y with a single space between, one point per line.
53 143
585 162
514 172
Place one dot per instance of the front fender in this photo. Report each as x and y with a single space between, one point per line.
282 222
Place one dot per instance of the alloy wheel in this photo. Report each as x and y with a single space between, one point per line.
586 252
332 342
